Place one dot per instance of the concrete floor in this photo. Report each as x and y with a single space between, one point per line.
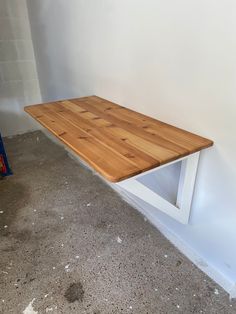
70 244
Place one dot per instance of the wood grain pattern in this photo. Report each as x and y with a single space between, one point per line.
119 143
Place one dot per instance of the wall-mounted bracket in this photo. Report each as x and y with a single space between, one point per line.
181 210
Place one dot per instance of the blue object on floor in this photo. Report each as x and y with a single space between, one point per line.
4 165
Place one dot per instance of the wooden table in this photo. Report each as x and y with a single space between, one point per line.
119 143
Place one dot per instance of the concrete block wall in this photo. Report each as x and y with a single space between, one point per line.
19 84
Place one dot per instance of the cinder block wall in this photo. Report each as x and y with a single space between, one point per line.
18 75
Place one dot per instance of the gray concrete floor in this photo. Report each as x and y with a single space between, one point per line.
72 245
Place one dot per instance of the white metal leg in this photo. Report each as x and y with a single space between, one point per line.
180 211
186 183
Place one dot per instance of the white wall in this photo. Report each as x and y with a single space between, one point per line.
18 76
173 60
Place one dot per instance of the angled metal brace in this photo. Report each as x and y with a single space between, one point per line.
181 210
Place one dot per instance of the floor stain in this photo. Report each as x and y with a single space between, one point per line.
178 263
75 292
101 225
14 196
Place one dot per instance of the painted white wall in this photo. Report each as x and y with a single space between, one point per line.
173 60
18 76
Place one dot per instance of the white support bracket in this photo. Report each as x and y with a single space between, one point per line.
181 210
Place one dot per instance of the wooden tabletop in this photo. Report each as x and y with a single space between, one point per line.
119 143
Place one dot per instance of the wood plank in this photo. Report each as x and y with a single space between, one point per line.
86 147
97 128
132 128
118 142
163 153
188 140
